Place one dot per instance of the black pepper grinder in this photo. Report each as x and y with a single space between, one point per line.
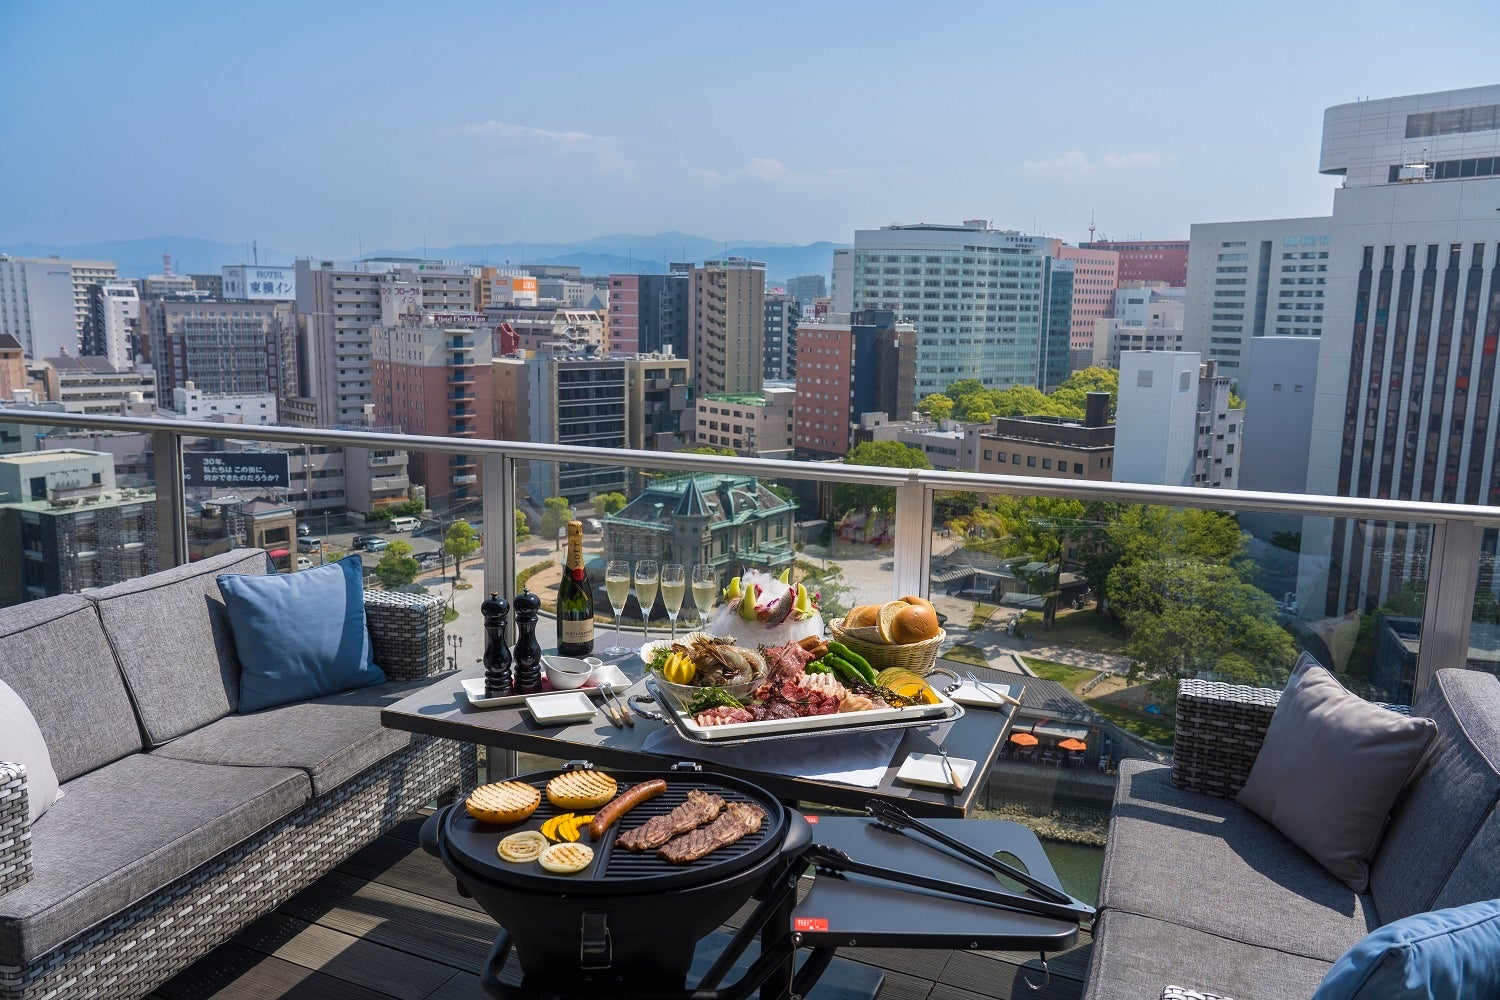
528 652
498 679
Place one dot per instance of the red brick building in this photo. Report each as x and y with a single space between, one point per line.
1148 260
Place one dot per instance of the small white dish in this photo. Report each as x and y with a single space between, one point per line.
968 693
567 673
556 709
606 673
928 769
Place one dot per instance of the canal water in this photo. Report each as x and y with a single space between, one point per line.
1078 867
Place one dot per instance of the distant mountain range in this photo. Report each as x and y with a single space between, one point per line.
602 255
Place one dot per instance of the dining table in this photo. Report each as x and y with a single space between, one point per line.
795 768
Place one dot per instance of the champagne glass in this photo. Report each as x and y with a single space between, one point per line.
673 585
617 586
647 579
705 591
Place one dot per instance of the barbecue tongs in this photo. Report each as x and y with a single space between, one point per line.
1053 901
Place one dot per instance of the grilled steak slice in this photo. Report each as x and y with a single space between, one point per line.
700 807
740 820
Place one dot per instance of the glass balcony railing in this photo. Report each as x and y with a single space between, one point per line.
1174 581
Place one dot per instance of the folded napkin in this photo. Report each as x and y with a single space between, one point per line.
848 758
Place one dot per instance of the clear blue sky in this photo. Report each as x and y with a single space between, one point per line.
314 126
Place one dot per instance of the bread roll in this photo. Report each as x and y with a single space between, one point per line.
863 616
915 623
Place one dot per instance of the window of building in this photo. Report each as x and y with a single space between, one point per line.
1077 468
1046 463
1143 378
1031 461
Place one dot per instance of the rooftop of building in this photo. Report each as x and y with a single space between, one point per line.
86 363
50 455
9 343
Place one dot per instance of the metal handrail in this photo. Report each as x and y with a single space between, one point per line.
1456 528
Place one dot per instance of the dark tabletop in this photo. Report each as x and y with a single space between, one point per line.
443 710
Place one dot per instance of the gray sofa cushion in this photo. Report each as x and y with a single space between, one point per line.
58 661
1206 863
1135 956
185 676
125 831
332 738
1454 794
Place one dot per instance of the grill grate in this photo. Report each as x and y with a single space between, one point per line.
619 871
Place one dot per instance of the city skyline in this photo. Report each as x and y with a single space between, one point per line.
351 130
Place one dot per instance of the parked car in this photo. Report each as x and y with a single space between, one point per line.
376 545
427 559
303 529
362 541
309 544
304 563
593 526
404 523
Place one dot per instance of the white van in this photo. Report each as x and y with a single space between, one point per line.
304 563
404 523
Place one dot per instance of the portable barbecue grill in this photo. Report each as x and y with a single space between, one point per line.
630 918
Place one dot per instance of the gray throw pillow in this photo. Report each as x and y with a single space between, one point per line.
21 743
1330 769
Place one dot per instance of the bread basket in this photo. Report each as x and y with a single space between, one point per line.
915 656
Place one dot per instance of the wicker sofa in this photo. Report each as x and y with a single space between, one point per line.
182 821
1200 894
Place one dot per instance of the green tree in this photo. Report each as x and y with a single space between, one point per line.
396 567
461 542
708 449
964 386
1189 617
610 503
523 527
406 508
936 406
1072 393
556 513
891 454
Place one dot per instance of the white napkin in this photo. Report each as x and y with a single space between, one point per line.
847 758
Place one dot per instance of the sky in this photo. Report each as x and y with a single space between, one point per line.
319 128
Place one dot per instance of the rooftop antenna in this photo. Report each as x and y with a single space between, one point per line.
255 251
166 265
1091 225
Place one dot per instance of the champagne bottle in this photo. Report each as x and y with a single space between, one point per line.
575 601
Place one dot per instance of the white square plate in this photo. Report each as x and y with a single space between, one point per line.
607 674
555 709
927 769
968 693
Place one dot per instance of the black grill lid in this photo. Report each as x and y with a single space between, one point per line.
474 845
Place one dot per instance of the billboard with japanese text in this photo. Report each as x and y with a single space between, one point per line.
215 469
268 284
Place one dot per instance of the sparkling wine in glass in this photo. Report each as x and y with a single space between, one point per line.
705 590
617 586
647 580
673 586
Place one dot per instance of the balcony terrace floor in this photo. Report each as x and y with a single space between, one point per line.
388 922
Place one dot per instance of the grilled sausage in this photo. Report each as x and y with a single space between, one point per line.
622 804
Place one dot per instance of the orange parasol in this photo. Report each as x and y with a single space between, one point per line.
1024 739
1071 744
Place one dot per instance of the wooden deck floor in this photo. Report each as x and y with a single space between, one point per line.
389 923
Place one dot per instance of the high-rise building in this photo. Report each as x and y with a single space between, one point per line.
1265 278
44 303
433 379
1057 335
727 323
234 348
782 313
582 402
1281 384
547 329
338 304
847 366
504 286
1148 260
1095 278
807 287
114 328
648 313
93 385
1173 422
976 295
1406 373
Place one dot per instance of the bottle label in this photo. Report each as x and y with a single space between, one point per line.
576 631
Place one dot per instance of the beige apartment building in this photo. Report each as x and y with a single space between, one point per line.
1049 447
755 424
727 324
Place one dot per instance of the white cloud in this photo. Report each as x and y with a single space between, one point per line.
1076 162
771 171
598 153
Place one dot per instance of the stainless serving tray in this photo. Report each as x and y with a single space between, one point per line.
946 710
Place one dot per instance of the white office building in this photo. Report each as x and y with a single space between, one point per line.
115 323
1406 404
1264 278
976 295
44 302
1173 422
1281 385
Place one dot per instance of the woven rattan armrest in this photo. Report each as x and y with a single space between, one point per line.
406 631
15 831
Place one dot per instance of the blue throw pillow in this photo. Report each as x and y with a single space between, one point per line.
1441 955
300 635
